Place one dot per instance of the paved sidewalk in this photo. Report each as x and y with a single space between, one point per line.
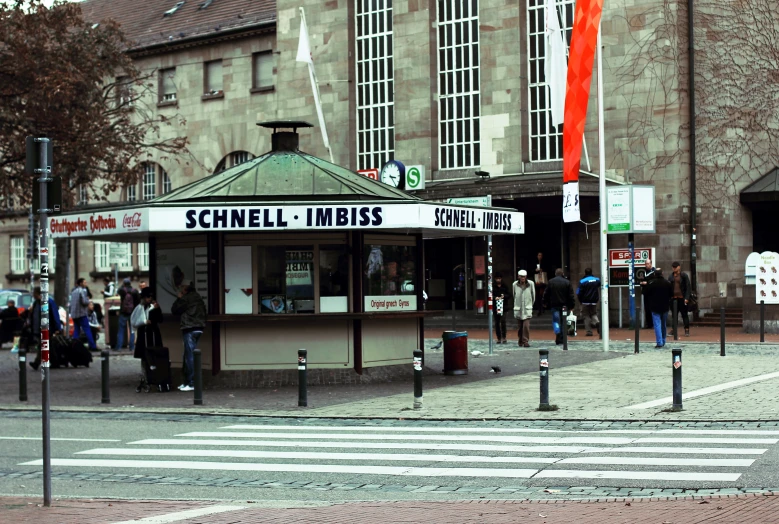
749 508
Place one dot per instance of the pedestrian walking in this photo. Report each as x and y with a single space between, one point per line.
681 293
658 297
110 288
192 309
589 296
79 312
524 297
128 301
500 291
559 294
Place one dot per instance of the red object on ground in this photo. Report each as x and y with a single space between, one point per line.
455 352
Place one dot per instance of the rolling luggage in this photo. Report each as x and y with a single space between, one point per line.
155 361
78 354
58 349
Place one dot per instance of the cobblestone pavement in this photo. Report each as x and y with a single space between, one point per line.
734 508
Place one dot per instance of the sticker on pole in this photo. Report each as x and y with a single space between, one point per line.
417 364
677 364
544 363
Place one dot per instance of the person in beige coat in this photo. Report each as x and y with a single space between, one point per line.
524 298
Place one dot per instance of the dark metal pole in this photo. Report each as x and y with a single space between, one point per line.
722 331
631 287
198 357
675 323
762 321
564 327
302 379
676 356
637 326
543 371
22 374
104 355
417 379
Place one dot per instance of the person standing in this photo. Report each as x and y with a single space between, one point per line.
94 323
589 296
110 287
681 293
658 297
192 309
128 301
500 291
524 298
79 312
649 274
9 322
559 295
541 281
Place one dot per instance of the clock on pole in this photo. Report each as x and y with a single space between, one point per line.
393 174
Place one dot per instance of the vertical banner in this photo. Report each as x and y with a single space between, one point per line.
581 56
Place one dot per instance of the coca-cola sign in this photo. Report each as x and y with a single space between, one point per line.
132 222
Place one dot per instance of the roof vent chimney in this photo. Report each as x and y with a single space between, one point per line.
284 140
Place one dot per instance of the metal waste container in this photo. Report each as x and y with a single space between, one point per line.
113 326
455 352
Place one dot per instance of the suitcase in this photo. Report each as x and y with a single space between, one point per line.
78 354
58 351
156 370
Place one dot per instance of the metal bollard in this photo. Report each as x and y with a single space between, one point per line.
722 331
302 378
762 321
676 356
637 326
543 371
22 374
675 323
198 358
564 327
104 376
417 379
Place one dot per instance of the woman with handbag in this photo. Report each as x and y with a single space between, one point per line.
146 318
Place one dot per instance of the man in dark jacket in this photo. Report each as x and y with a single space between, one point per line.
9 322
192 309
589 296
649 274
681 294
126 308
559 295
500 291
658 292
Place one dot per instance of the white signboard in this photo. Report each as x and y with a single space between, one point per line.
119 253
415 178
630 209
767 278
97 224
239 290
621 257
481 201
381 303
571 211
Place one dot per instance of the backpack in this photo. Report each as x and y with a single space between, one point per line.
128 303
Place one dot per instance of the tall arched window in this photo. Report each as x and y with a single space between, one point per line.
233 159
153 178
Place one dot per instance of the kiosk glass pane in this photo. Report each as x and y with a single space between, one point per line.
285 279
390 273
333 279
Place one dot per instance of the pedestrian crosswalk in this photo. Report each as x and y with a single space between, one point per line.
466 453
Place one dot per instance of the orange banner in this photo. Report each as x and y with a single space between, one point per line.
580 58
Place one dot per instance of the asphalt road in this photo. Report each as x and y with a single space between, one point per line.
147 457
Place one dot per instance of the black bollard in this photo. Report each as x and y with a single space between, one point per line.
104 376
543 371
302 379
676 356
762 321
198 358
722 331
675 323
564 327
22 374
417 379
637 326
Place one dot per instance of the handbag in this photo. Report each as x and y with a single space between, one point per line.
692 304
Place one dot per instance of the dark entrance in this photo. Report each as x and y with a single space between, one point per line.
762 197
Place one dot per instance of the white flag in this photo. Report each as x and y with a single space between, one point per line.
571 211
555 63
304 55
304 47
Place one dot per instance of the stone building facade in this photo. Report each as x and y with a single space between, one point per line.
457 87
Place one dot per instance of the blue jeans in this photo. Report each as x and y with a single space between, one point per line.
190 343
557 315
124 321
82 324
659 322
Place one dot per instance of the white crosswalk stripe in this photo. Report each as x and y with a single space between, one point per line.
682 455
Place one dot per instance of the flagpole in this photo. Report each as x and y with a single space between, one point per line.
604 266
315 88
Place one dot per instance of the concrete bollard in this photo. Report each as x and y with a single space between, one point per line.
104 375
22 374
302 378
722 331
676 362
198 363
417 379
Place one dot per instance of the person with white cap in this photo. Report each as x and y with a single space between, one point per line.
524 298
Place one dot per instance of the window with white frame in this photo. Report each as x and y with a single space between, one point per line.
149 181
143 256
375 84
122 255
167 92
83 197
167 186
18 255
458 84
546 140
132 194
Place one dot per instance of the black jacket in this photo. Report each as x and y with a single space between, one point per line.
684 283
657 295
559 293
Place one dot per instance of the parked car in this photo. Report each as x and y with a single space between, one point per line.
21 297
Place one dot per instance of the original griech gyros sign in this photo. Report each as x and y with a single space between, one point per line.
427 215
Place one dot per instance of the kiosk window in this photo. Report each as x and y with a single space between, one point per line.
285 279
389 278
333 279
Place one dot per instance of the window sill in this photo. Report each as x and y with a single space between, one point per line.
214 96
167 103
263 89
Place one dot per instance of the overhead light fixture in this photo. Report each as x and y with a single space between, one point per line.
484 175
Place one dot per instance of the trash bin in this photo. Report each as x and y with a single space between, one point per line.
455 352
113 326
